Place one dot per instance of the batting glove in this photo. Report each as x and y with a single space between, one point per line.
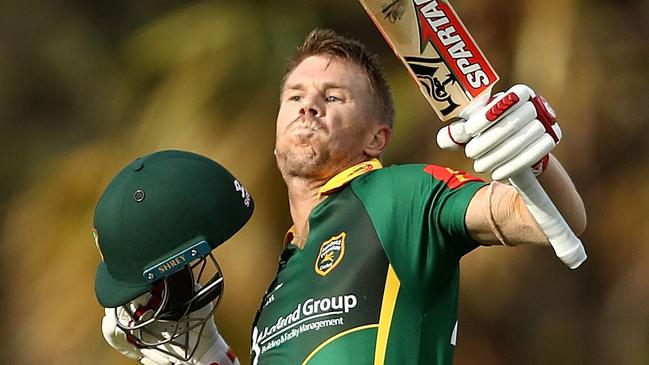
118 340
514 131
211 349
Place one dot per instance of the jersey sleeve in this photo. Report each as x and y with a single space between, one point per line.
418 212
452 190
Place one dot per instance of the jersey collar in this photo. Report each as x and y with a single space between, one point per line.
339 181
347 175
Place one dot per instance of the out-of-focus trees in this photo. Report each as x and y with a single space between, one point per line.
86 87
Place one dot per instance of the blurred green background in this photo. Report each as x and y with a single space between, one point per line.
85 87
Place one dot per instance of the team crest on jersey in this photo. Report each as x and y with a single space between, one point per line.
331 254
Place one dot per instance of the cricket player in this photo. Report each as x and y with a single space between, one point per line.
370 268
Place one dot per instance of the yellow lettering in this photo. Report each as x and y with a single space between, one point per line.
171 264
458 175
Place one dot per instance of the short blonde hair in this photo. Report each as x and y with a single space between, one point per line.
327 42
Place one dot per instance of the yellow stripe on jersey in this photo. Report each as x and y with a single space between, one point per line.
331 339
390 292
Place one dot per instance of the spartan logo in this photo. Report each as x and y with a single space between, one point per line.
394 10
425 70
331 254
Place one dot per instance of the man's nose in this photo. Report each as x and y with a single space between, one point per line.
310 107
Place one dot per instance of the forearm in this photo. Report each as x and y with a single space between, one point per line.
564 195
497 214
526 130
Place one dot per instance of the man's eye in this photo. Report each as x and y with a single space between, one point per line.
294 98
332 99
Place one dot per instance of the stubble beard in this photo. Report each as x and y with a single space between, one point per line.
305 153
304 162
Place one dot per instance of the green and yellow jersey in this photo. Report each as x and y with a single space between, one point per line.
377 281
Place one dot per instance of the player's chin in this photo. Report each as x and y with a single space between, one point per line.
301 161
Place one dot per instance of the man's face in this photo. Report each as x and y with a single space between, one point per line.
324 120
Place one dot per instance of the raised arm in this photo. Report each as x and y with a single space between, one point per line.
514 132
498 215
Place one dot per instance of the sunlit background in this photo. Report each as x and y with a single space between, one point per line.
86 87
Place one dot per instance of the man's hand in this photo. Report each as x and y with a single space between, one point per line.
211 349
514 131
118 340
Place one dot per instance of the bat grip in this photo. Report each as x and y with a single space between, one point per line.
566 245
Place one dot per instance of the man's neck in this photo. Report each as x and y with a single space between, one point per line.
303 196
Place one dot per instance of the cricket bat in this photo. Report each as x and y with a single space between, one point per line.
456 79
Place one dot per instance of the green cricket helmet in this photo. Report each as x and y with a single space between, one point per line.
158 214
155 226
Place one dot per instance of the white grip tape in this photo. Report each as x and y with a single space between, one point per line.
566 245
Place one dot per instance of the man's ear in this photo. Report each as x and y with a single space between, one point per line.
378 140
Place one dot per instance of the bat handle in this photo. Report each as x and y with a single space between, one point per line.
566 245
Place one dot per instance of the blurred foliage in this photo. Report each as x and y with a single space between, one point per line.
85 87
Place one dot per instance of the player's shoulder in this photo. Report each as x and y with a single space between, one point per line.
401 172
385 181
419 172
